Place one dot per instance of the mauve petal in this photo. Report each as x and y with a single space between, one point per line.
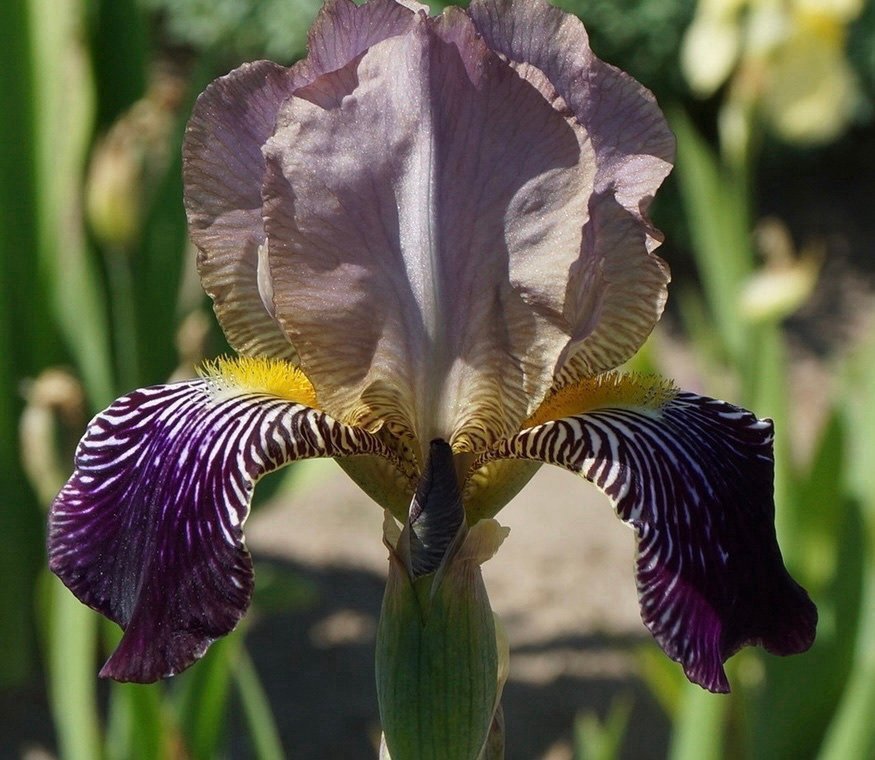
417 205
693 476
344 30
633 153
223 166
149 528
222 171
616 293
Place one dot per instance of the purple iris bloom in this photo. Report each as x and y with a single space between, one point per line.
430 229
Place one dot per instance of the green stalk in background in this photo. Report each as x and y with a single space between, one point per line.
81 308
28 342
63 121
852 733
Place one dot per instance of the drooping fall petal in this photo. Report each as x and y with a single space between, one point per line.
149 529
693 477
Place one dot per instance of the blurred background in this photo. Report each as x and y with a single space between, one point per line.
769 225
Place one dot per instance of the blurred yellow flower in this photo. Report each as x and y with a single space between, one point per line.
786 58
787 278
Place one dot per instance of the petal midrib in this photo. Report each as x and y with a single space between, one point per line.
420 239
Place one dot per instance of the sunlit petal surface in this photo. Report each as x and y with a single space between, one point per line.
224 168
616 291
437 213
416 206
693 477
148 530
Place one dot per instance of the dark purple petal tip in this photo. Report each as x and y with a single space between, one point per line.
148 529
694 477
710 574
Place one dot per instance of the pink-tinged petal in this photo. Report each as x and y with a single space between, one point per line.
616 293
634 145
694 478
343 30
417 206
222 171
149 529
633 151
223 167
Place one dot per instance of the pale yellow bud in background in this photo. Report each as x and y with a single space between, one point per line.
785 281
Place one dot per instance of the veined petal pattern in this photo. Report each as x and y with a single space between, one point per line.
416 208
224 169
617 287
149 529
694 478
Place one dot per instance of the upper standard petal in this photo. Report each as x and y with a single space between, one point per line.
223 167
424 206
426 213
633 151
222 171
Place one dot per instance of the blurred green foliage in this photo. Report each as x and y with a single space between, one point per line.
861 53
244 29
93 256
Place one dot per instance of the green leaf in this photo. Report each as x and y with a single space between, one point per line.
156 271
820 497
698 727
152 275
716 207
70 632
29 340
63 121
603 740
256 709
663 677
118 54
786 720
764 391
139 725
202 698
852 732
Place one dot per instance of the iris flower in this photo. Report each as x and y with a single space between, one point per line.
428 243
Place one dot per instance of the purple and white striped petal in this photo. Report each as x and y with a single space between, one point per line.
694 477
149 528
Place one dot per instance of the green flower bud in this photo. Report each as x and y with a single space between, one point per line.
440 666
